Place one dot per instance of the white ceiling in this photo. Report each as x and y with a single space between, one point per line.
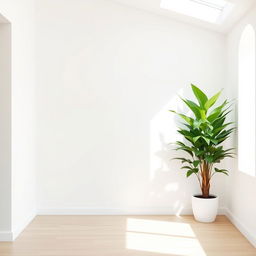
239 10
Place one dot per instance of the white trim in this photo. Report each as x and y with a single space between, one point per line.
5 236
105 211
119 211
219 7
221 211
22 226
241 227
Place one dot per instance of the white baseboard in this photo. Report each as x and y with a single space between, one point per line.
10 236
241 227
118 211
22 226
104 211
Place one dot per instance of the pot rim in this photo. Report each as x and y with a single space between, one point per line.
199 196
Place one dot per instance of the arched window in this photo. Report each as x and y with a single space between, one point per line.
246 102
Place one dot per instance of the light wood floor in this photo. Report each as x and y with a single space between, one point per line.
128 235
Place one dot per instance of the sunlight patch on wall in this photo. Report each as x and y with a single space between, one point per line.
172 187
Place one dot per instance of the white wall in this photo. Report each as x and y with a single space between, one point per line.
5 127
21 194
242 187
106 76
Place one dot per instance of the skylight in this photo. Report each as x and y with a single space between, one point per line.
214 11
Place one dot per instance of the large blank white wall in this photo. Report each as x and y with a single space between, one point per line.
242 187
106 76
21 178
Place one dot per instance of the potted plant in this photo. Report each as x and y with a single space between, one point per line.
203 134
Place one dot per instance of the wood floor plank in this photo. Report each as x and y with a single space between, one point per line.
128 236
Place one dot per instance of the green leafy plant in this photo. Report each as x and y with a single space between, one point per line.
204 133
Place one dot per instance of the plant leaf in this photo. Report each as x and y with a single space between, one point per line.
194 107
206 140
196 163
183 160
194 170
217 112
201 97
203 114
221 171
195 139
212 100
188 119
186 167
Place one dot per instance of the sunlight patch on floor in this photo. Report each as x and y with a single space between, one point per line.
162 237
159 227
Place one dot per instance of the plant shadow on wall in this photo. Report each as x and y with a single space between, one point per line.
166 184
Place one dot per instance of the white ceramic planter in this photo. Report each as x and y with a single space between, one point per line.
205 209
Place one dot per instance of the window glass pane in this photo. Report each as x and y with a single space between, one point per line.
246 102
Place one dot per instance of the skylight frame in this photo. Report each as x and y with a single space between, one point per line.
210 4
212 11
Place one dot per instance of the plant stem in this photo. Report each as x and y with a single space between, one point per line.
205 173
